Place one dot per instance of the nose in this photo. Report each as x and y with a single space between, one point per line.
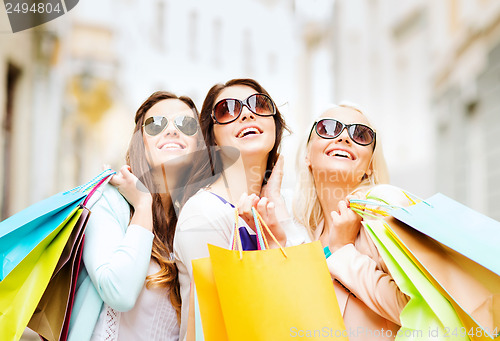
344 136
170 130
246 114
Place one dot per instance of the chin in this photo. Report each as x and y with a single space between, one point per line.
176 161
262 150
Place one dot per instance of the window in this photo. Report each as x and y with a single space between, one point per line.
159 27
216 43
193 35
248 58
13 74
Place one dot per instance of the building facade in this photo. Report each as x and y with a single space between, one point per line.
427 73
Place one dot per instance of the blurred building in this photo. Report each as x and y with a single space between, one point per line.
427 72
73 85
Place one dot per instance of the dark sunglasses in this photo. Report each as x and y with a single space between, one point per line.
156 124
229 109
328 128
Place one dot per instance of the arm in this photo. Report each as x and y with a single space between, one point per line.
112 249
203 220
360 273
368 281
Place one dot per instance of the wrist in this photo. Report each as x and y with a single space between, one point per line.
338 246
144 204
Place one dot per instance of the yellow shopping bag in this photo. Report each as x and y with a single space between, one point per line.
273 294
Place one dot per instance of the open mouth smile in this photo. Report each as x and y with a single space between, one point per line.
340 153
248 132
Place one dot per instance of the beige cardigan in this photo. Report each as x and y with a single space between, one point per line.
369 299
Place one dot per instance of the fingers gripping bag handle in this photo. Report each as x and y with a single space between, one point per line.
260 231
260 225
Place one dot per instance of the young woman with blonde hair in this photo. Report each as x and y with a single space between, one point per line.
343 159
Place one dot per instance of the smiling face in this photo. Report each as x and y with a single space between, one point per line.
251 134
348 160
170 146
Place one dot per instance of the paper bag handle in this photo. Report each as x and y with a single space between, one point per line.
259 223
261 238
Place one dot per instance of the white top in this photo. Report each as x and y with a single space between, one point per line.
117 257
206 219
153 318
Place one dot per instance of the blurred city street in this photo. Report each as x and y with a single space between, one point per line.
426 72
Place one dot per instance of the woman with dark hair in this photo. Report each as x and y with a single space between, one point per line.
243 129
128 289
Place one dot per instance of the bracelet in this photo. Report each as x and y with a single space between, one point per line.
327 251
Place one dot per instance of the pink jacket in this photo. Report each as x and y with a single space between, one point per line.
369 299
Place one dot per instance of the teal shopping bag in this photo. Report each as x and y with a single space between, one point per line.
32 245
20 233
457 226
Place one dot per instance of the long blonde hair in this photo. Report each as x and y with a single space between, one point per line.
306 205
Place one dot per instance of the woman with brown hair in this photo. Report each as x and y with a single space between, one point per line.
243 129
128 289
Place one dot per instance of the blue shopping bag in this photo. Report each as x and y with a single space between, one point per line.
457 226
20 233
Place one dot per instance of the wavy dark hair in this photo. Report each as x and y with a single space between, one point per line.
207 169
164 218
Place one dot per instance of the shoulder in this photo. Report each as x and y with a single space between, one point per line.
204 207
205 201
108 200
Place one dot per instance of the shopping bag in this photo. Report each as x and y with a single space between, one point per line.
24 284
21 291
20 233
213 322
194 328
214 328
428 315
71 300
457 226
473 290
275 294
51 317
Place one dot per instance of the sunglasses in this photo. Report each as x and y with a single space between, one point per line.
228 110
328 128
154 125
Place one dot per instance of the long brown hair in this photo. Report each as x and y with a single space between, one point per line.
164 218
210 167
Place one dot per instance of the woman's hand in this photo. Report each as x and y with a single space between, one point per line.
267 211
131 188
136 194
345 227
272 191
